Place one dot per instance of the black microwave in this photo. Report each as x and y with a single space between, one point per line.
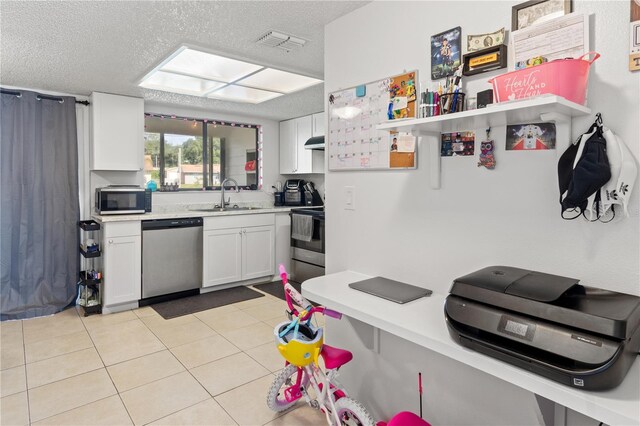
122 199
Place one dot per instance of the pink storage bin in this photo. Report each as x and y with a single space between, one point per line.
563 77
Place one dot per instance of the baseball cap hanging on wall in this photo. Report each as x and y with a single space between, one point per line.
590 172
593 173
608 193
623 177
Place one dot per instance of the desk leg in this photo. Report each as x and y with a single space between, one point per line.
368 334
551 413
560 415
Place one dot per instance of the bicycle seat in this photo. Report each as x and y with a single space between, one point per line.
334 357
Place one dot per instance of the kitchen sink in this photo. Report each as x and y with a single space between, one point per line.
226 209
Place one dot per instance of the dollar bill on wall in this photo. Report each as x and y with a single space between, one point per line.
484 41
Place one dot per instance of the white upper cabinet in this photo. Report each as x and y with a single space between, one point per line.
117 124
294 158
288 147
318 124
304 127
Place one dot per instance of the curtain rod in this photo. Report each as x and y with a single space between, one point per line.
203 120
40 96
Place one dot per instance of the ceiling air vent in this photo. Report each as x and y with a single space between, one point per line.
281 41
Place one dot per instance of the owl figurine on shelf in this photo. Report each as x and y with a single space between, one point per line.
487 159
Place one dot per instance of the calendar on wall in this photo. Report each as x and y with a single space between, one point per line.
354 143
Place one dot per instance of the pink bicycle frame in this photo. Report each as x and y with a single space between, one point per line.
291 295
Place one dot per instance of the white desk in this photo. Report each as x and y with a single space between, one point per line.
422 322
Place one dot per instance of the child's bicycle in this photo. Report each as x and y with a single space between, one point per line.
301 344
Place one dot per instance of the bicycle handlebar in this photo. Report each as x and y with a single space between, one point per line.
292 295
332 314
283 274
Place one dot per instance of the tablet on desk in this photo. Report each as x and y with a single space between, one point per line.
391 290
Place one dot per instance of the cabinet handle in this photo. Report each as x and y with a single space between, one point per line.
240 232
244 231
110 241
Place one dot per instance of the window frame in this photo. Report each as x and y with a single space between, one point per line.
205 152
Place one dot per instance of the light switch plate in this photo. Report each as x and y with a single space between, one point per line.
349 197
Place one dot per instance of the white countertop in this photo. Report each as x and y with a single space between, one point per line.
191 213
422 322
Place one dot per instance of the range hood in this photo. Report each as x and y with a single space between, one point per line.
316 142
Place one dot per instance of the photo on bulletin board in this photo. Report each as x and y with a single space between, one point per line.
402 151
531 137
446 52
402 96
457 144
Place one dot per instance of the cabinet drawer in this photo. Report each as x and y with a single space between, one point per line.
122 229
239 221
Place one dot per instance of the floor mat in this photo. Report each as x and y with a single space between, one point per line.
202 302
276 288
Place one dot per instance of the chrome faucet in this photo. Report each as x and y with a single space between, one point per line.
222 202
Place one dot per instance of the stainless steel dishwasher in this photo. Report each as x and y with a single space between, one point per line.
171 258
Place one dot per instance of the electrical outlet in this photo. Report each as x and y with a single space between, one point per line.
349 197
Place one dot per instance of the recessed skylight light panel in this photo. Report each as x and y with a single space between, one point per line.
278 81
243 94
192 72
212 67
177 83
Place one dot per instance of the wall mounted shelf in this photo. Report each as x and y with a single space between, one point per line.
543 108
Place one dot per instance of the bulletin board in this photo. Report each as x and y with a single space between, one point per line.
353 141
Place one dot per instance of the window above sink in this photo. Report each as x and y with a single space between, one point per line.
182 153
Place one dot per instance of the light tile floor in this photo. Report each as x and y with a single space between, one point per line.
134 367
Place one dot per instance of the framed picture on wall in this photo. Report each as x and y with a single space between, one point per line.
445 53
634 53
535 11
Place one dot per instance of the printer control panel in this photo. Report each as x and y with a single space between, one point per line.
517 327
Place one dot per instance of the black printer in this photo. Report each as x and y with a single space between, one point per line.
580 336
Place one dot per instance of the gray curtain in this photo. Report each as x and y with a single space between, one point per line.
39 207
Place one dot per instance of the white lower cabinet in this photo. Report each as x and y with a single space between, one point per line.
223 257
258 251
122 266
238 248
283 242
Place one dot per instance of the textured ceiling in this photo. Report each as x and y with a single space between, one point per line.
108 46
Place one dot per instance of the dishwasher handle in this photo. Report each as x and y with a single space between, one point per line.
171 223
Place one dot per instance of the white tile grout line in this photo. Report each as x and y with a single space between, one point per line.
26 378
107 371
191 374
165 348
228 390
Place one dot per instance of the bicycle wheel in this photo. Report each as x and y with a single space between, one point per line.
352 413
286 378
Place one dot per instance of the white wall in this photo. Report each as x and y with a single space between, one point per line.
404 230
507 216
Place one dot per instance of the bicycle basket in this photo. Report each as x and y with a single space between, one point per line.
299 347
